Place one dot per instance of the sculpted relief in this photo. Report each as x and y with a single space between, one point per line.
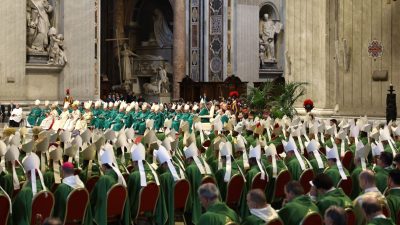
42 37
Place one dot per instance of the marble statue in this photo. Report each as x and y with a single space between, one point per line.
151 88
56 48
159 84
268 29
38 24
163 83
162 33
126 66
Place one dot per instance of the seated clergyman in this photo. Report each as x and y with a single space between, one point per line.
374 212
261 211
217 212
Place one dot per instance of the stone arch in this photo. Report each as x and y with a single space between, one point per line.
271 9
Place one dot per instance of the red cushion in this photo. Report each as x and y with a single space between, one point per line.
77 202
258 183
4 209
148 198
181 194
116 198
42 205
234 190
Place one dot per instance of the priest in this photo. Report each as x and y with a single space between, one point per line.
261 212
217 213
69 183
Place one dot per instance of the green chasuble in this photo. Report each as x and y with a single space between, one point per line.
314 163
381 221
294 211
22 205
334 197
204 112
84 174
98 199
393 201
167 185
34 115
222 185
381 175
268 167
134 188
119 121
193 205
253 220
48 178
244 209
218 214
333 172
294 167
6 182
60 197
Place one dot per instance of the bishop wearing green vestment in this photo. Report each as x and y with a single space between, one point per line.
217 213
326 194
69 183
296 204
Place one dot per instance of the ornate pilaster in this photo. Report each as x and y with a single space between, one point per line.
216 40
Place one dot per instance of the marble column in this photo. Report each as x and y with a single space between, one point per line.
179 48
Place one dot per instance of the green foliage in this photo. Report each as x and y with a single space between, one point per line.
279 99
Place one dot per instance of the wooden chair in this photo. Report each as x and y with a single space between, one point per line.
279 149
258 183
208 179
312 219
386 210
305 178
42 205
234 190
77 202
181 195
116 198
346 186
129 168
276 221
347 159
148 197
279 187
5 206
91 182
351 217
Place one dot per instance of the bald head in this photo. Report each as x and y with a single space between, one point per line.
256 199
367 179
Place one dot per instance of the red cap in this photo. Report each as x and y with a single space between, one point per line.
68 165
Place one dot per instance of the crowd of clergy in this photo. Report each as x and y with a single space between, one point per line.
207 144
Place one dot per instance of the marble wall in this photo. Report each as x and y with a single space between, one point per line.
17 83
316 46
12 50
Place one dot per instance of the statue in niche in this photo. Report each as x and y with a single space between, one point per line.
162 33
268 29
38 24
56 48
126 62
163 83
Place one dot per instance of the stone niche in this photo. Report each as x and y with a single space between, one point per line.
271 47
150 36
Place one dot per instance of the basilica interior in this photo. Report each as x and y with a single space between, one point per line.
199 112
